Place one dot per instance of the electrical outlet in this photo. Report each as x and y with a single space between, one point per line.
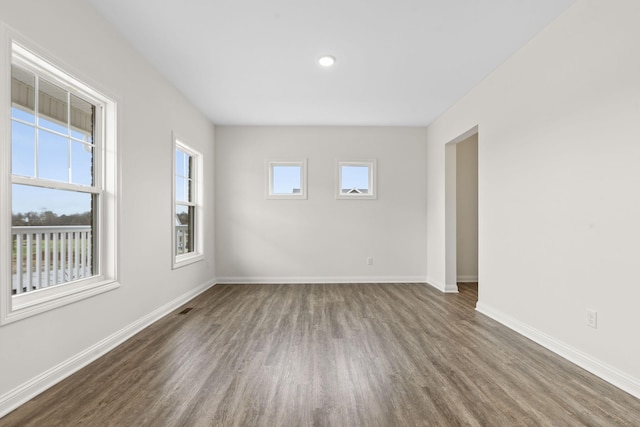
592 318
370 261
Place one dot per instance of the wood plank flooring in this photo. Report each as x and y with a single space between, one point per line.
329 355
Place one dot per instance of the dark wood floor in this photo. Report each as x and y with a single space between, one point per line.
329 355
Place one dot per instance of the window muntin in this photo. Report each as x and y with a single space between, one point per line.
187 200
57 188
356 180
287 180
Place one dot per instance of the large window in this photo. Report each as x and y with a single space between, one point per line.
187 241
58 198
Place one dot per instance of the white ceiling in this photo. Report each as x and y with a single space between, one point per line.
399 62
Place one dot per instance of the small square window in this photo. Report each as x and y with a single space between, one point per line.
356 180
287 180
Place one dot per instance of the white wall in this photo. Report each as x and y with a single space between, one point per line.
43 347
320 239
467 209
558 199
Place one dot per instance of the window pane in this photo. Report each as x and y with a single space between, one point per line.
53 107
81 163
286 179
81 119
184 229
52 235
22 94
20 114
181 189
180 166
23 149
184 185
355 180
53 157
72 207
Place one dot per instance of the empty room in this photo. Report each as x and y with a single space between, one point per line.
337 213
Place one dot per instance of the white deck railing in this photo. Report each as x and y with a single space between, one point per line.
46 256
50 255
182 236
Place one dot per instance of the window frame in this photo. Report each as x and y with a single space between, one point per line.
302 164
372 194
15 307
180 260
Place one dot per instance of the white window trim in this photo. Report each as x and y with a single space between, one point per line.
303 179
17 307
372 194
198 232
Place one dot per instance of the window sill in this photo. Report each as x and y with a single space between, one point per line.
356 197
186 259
26 305
286 197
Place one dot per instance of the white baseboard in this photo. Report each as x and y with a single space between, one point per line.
442 287
316 279
451 289
473 279
25 392
608 373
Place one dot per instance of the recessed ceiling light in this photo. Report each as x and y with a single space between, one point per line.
326 60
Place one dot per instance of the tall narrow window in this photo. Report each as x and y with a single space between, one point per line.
58 210
186 227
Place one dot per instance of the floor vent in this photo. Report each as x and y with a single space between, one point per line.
186 310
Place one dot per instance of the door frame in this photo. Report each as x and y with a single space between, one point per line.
450 209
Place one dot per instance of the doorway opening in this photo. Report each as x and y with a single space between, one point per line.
461 213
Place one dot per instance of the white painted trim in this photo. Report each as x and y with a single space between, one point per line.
447 289
602 370
36 302
312 279
468 279
23 393
465 135
5 171
451 289
436 284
